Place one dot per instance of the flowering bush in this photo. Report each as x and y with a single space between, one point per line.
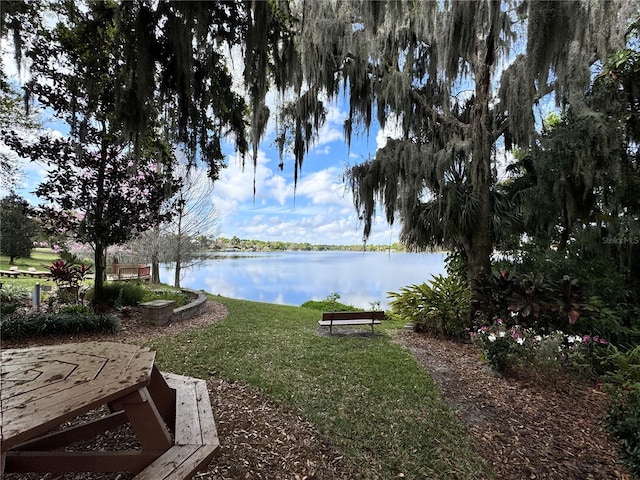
506 347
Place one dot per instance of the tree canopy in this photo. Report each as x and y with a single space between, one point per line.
463 80
18 227
131 80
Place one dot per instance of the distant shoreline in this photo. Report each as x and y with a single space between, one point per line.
242 245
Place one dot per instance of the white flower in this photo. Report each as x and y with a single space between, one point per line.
502 334
491 337
538 338
520 341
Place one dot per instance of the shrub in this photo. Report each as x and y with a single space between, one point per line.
329 304
536 301
181 298
622 379
68 278
623 422
11 297
506 347
44 323
441 307
120 294
75 309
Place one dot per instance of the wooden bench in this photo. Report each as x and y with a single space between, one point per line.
128 271
195 435
32 272
13 272
331 319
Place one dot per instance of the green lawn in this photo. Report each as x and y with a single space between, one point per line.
366 394
40 259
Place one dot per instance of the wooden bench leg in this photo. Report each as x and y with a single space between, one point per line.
146 421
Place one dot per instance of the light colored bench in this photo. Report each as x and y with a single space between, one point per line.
196 437
12 272
339 319
128 271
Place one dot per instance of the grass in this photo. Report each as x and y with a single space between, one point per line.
40 259
365 393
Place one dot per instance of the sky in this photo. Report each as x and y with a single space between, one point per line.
318 210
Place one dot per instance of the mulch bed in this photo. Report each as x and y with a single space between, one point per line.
525 427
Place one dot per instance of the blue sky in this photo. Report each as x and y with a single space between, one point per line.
319 210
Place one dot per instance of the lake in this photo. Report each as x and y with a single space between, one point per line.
292 278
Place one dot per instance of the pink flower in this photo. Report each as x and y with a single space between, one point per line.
500 321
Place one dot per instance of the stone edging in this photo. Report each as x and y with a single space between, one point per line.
191 309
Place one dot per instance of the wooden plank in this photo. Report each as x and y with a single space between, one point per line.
326 323
374 314
74 434
187 418
207 422
146 421
165 465
196 407
62 462
179 463
194 463
164 397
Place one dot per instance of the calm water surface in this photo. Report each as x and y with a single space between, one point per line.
292 278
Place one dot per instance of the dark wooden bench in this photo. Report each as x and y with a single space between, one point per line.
196 438
339 319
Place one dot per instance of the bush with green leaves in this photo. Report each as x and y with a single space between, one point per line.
507 347
17 326
609 298
623 422
330 304
181 298
12 296
440 307
121 294
621 379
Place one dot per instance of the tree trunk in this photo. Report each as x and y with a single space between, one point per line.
155 269
481 242
176 279
100 273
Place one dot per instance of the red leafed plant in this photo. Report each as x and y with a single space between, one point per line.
68 276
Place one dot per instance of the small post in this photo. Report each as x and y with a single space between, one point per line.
35 297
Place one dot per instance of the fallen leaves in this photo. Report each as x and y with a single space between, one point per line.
526 426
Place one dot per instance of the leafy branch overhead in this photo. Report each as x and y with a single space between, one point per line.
461 80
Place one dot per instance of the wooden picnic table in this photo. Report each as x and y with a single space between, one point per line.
42 388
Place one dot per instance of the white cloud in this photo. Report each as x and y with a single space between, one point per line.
325 187
392 129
